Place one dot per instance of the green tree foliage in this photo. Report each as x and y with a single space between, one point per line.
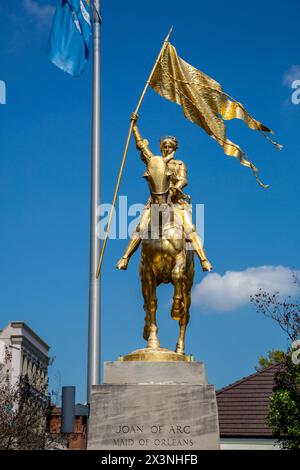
274 356
284 410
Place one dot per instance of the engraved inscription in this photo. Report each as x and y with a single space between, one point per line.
173 435
129 429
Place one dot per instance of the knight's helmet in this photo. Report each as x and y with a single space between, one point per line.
158 175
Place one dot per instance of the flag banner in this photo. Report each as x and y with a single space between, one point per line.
204 102
70 38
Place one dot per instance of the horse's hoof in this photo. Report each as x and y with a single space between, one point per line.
153 344
179 351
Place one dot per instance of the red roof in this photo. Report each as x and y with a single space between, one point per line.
243 406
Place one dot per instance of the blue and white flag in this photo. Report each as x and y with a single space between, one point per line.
70 38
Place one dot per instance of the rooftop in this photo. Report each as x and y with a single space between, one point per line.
22 327
243 406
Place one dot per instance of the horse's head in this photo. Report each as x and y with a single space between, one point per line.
158 177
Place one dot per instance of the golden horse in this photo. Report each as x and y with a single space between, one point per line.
165 257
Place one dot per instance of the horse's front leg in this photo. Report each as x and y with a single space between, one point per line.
177 278
150 307
186 296
183 322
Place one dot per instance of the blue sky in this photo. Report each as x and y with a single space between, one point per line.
253 51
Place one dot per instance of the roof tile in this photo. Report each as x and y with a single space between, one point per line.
243 406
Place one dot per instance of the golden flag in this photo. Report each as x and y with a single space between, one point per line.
203 102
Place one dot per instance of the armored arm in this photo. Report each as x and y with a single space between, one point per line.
141 144
181 177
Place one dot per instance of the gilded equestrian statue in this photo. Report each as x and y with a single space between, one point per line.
168 238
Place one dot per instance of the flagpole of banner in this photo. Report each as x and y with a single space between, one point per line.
93 372
125 152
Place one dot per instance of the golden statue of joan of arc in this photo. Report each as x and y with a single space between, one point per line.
178 180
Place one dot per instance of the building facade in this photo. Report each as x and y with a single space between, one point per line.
28 353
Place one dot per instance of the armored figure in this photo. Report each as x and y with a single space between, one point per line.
178 180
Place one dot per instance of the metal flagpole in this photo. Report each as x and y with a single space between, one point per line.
93 374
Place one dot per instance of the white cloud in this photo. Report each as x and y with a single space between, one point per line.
292 74
41 14
233 290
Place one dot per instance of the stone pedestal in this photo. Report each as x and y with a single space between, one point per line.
153 405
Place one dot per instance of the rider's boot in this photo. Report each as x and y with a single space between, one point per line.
131 248
136 238
199 249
